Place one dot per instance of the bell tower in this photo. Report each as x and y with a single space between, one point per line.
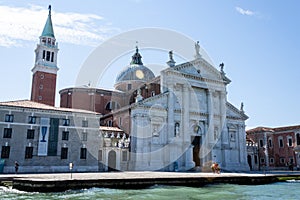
45 68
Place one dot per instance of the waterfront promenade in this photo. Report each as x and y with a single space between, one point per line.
63 181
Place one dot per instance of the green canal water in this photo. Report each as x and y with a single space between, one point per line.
281 190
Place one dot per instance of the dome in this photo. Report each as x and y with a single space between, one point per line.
135 72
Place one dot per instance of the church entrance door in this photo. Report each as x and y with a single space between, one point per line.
112 161
196 141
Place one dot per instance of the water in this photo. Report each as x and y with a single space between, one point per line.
281 190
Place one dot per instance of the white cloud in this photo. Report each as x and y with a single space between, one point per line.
244 12
20 25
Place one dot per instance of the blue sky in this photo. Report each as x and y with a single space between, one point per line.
257 40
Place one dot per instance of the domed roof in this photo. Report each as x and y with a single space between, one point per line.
136 71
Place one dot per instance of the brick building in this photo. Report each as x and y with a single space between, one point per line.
278 148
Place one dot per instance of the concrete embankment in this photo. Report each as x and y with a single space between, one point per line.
133 180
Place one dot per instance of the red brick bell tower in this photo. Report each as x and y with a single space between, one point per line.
45 68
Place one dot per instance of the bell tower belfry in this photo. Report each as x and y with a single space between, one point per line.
45 68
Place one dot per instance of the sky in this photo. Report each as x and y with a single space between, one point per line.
258 41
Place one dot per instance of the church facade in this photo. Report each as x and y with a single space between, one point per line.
178 120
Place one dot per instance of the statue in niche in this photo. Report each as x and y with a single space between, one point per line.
155 133
197 129
176 129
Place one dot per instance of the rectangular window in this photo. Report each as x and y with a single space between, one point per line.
270 143
271 160
280 140
298 138
129 87
262 160
84 136
85 123
52 56
5 151
7 133
31 119
290 141
66 122
65 135
44 53
261 143
64 153
48 56
281 160
255 159
124 155
83 153
291 160
9 118
30 133
28 152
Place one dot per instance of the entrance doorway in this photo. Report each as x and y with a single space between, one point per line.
112 161
196 141
249 158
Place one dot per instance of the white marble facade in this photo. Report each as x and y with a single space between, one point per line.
190 124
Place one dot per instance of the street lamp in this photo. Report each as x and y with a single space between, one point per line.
71 167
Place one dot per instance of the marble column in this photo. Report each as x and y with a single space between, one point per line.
170 115
210 116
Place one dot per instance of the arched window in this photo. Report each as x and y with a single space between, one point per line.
112 105
176 129
270 143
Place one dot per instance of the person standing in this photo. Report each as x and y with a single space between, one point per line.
16 167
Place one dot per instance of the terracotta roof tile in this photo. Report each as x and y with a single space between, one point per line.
36 105
277 129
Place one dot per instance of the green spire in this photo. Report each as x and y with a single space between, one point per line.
48 28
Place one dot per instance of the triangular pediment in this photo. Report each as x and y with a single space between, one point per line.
234 113
201 68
